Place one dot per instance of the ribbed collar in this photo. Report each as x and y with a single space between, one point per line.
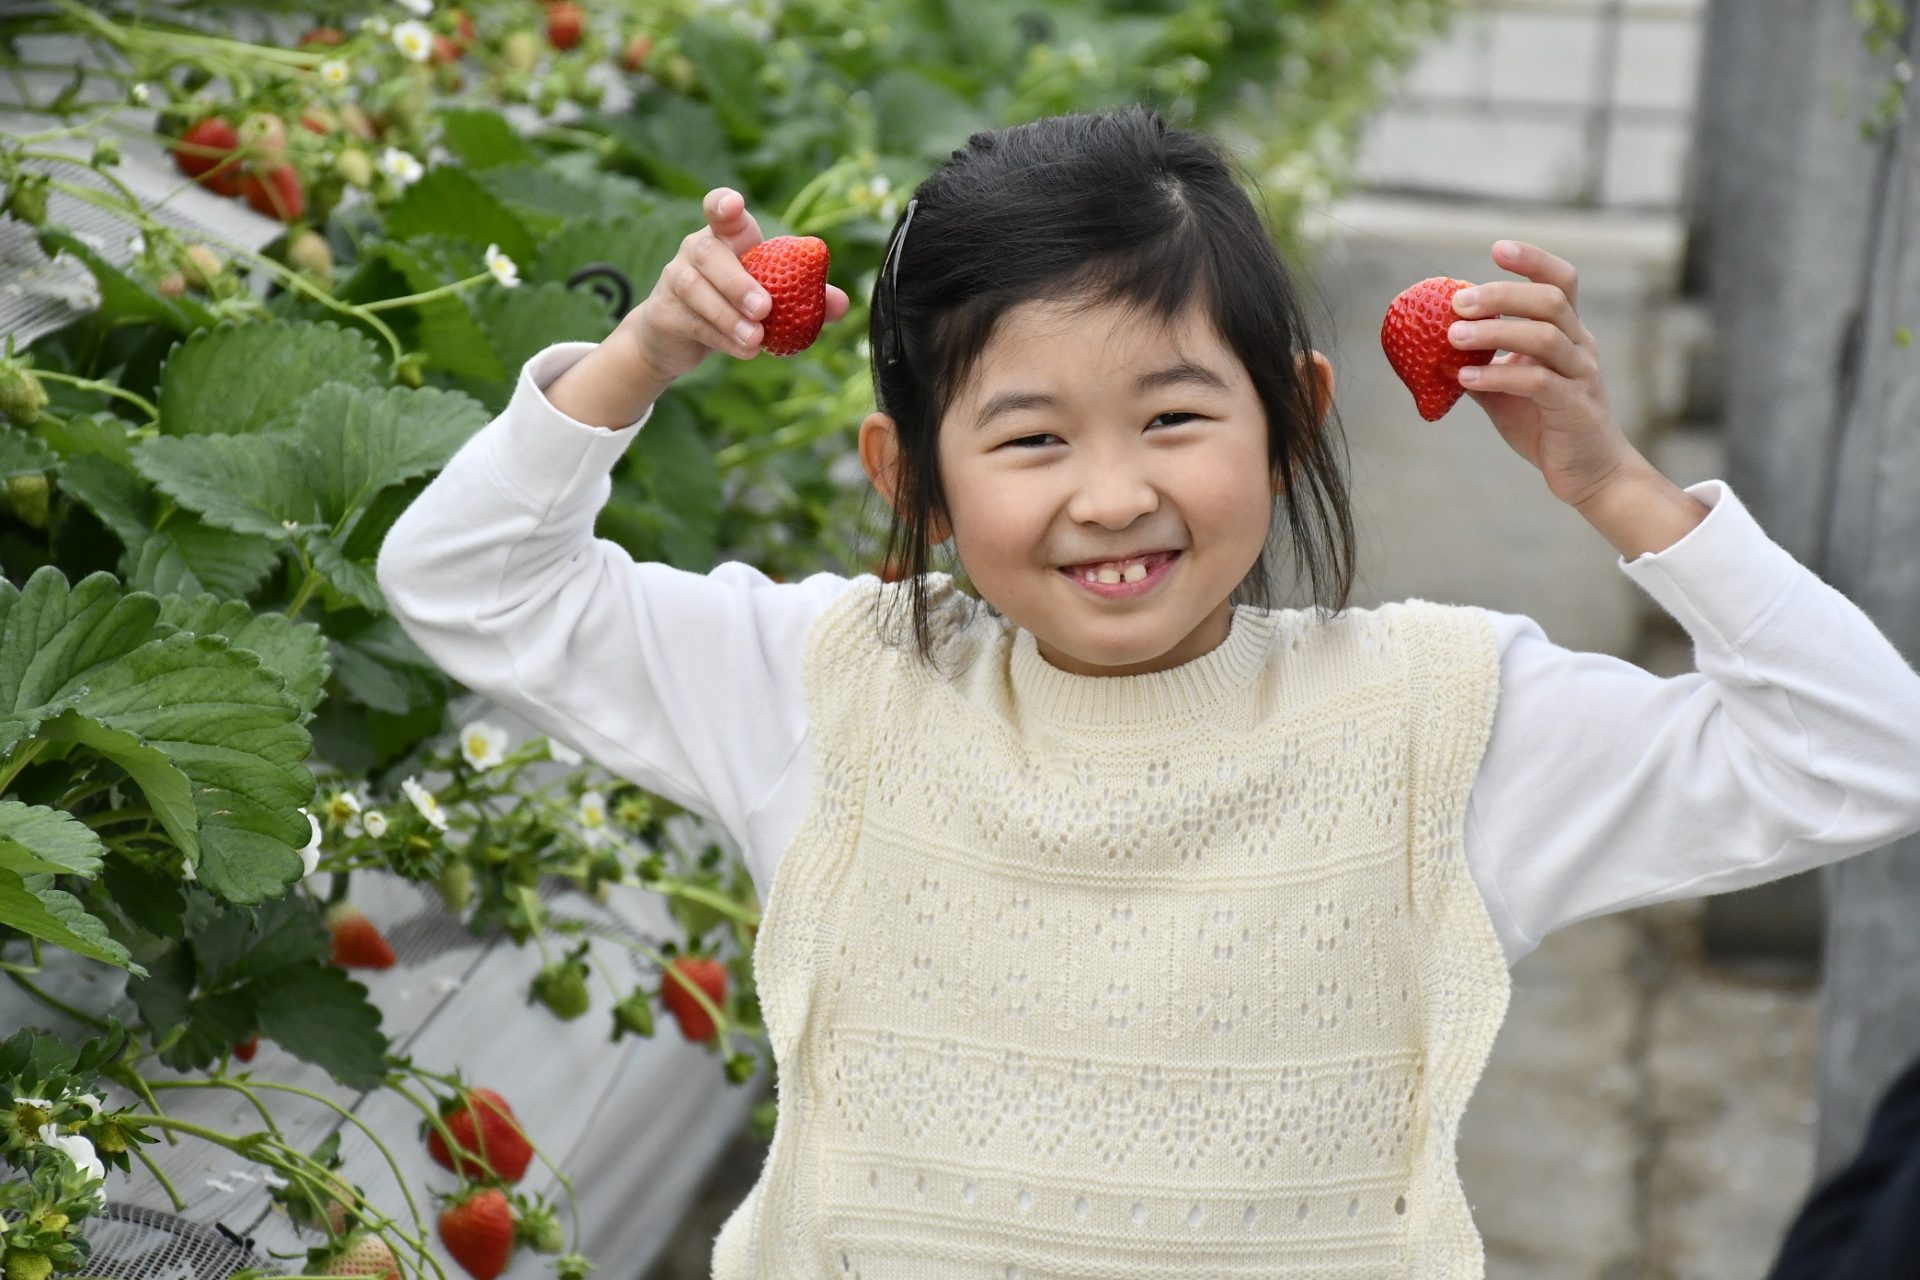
1223 674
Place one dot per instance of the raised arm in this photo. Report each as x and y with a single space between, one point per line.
1795 743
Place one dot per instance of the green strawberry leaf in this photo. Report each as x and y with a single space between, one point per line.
185 556
238 378
442 329
35 839
678 143
319 1014
451 201
296 650
482 139
166 706
52 915
555 193
239 970
524 321
124 300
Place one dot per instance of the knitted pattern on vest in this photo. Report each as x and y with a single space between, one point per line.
1171 975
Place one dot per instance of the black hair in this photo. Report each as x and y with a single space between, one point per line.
1095 208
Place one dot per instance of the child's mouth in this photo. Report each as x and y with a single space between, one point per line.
1155 567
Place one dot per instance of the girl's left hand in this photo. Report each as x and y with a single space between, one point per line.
1543 392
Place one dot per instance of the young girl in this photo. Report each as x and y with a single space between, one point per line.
1118 924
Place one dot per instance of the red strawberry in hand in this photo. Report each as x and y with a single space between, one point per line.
478 1231
696 1024
1414 336
498 1148
793 270
357 941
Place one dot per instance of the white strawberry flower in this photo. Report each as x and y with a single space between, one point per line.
413 39
593 810
343 806
563 753
376 823
335 73
310 856
400 166
423 801
418 8
502 267
78 1149
141 93
484 745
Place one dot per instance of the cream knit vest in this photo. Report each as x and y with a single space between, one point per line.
1170 975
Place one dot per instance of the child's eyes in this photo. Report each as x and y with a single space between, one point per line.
1050 436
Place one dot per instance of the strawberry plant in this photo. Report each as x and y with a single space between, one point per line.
210 700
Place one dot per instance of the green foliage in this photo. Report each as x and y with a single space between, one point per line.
200 473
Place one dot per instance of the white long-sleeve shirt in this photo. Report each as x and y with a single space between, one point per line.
1603 787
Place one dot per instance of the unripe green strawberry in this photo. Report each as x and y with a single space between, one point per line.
678 73
411 369
27 198
634 1014
26 1264
354 167
793 270
21 395
456 885
308 251
520 50
740 1067
264 136
562 987
106 153
27 495
200 264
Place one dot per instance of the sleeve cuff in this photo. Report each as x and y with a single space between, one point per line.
540 453
1724 576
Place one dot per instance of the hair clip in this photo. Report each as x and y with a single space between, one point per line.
892 269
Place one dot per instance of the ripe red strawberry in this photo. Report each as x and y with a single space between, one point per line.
634 56
277 193
564 21
357 941
364 1255
794 271
1414 336
444 49
696 1024
478 1231
322 36
496 1149
463 27
205 144
245 1049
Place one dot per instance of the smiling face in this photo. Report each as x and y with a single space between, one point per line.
1091 437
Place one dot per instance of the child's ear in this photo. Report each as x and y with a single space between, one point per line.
1322 399
1323 383
880 454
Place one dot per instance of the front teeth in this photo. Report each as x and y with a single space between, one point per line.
1109 577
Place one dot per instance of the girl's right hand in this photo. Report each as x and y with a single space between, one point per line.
705 300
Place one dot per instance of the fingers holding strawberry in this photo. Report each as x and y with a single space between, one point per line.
728 290
1544 393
